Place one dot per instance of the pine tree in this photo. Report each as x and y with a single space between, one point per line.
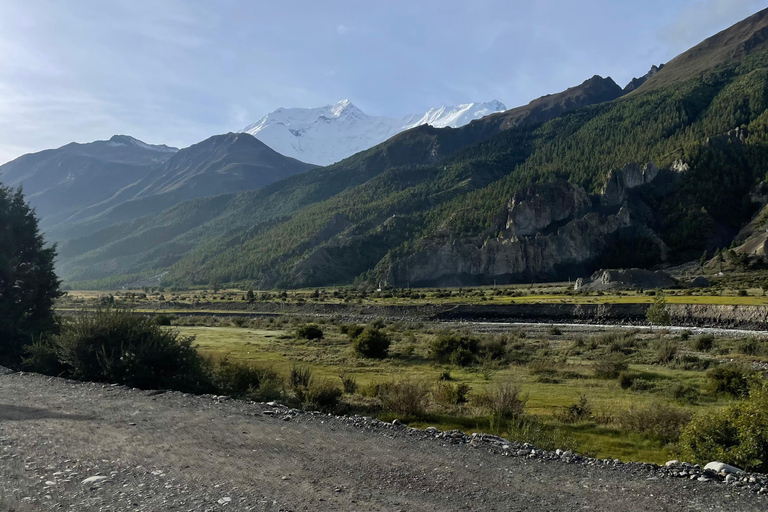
28 284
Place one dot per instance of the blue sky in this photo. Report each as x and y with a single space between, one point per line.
178 71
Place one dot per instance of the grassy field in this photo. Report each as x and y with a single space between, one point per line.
554 371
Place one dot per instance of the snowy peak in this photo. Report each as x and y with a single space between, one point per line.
325 135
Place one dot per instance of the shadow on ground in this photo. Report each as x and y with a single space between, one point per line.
21 413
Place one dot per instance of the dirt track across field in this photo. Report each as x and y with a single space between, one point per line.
175 452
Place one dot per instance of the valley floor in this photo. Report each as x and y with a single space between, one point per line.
178 452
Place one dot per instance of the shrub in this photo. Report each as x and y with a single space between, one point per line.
451 395
527 429
555 331
703 342
323 396
579 411
372 342
658 313
610 367
351 330
684 392
348 382
408 398
42 357
245 381
300 377
666 351
626 379
658 420
444 346
309 332
164 320
731 378
736 434
750 346
117 346
445 375
641 385
503 402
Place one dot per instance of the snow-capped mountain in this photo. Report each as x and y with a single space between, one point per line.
325 135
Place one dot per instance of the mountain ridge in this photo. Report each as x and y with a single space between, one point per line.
328 134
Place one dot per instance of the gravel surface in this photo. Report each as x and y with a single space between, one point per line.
68 445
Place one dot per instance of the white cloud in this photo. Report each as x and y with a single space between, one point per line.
341 30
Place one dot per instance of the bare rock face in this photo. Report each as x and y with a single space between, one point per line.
620 180
625 279
551 231
538 207
507 260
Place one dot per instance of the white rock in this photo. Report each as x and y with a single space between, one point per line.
94 479
671 463
721 467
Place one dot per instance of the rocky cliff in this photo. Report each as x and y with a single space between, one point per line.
552 231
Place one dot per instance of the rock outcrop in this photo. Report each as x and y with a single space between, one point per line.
551 231
625 279
538 207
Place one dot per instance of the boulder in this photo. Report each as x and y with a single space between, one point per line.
721 467
699 282
625 279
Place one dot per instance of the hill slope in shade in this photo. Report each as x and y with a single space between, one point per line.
328 134
220 164
60 182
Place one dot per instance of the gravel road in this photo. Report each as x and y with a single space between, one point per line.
174 452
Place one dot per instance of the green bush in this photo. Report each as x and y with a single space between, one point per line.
241 380
348 382
309 332
409 398
703 342
372 342
300 377
661 421
451 395
731 378
454 348
626 379
351 330
110 345
323 396
610 367
736 434
666 351
164 320
751 346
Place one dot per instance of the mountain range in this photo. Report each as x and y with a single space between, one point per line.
598 175
328 134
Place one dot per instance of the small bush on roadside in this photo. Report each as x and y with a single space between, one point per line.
661 421
503 402
610 367
408 398
529 429
372 342
731 378
309 332
323 396
736 434
241 380
110 345
42 357
300 377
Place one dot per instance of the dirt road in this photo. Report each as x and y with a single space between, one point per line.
174 452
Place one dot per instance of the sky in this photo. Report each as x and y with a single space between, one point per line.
178 71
